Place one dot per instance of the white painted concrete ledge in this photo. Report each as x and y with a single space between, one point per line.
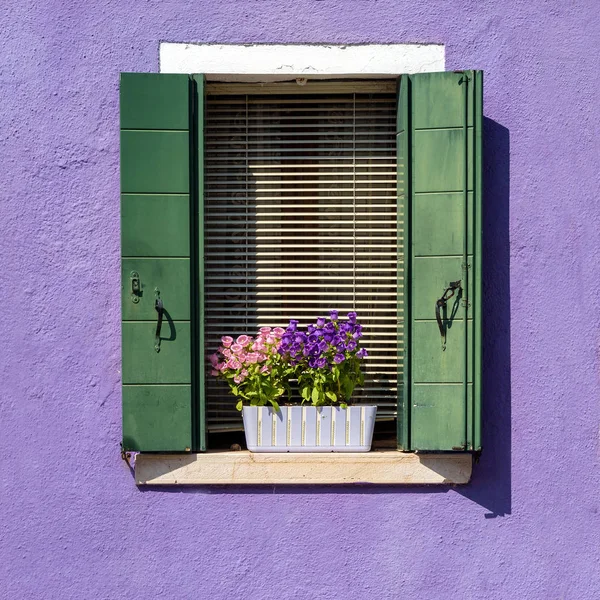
247 468
280 62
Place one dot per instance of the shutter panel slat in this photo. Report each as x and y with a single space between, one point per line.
155 249
442 123
301 216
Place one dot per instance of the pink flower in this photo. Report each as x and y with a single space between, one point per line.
234 364
238 379
226 352
236 348
278 332
226 341
270 339
214 372
242 357
252 358
222 366
243 340
258 346
214 359
265 369
265 330
244 373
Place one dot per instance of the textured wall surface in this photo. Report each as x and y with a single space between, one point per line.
73 525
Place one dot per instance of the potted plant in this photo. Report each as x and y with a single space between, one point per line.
325 361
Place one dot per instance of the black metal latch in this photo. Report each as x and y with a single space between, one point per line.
136 287
441 303
158 305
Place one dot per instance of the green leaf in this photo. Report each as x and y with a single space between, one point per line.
275 405
315 395
305 393
331 396
239 405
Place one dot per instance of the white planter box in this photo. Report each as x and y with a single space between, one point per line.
309 429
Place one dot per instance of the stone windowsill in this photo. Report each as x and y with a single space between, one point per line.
247 468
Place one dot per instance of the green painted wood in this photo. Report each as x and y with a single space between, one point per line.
439 417
431 276
155 162
445 229
439 160
157 418
141 362
199 351
477 272
403 211
439 99
440 219
430 363
172 278
154 101
157 229
155 225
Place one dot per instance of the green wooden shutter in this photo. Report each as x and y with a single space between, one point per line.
159 231
439 140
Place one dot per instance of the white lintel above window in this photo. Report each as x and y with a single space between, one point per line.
280 62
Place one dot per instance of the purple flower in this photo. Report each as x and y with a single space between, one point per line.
328 337
329 328
351 345
323 346
313 338
293 325
362 353
312 363
333 315
321 362
320 322
315 350
345 328
352 317
338 358
300 338
336 340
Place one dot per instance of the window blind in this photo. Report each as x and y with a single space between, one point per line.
301 217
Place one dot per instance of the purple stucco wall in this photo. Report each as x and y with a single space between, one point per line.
72 522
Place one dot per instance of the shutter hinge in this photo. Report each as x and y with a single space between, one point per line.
464 79
126 456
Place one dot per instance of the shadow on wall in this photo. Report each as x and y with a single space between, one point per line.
490 486
491 482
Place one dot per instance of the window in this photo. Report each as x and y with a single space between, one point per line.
301 216
225 187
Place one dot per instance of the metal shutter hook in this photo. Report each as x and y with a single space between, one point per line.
441 303
158 305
